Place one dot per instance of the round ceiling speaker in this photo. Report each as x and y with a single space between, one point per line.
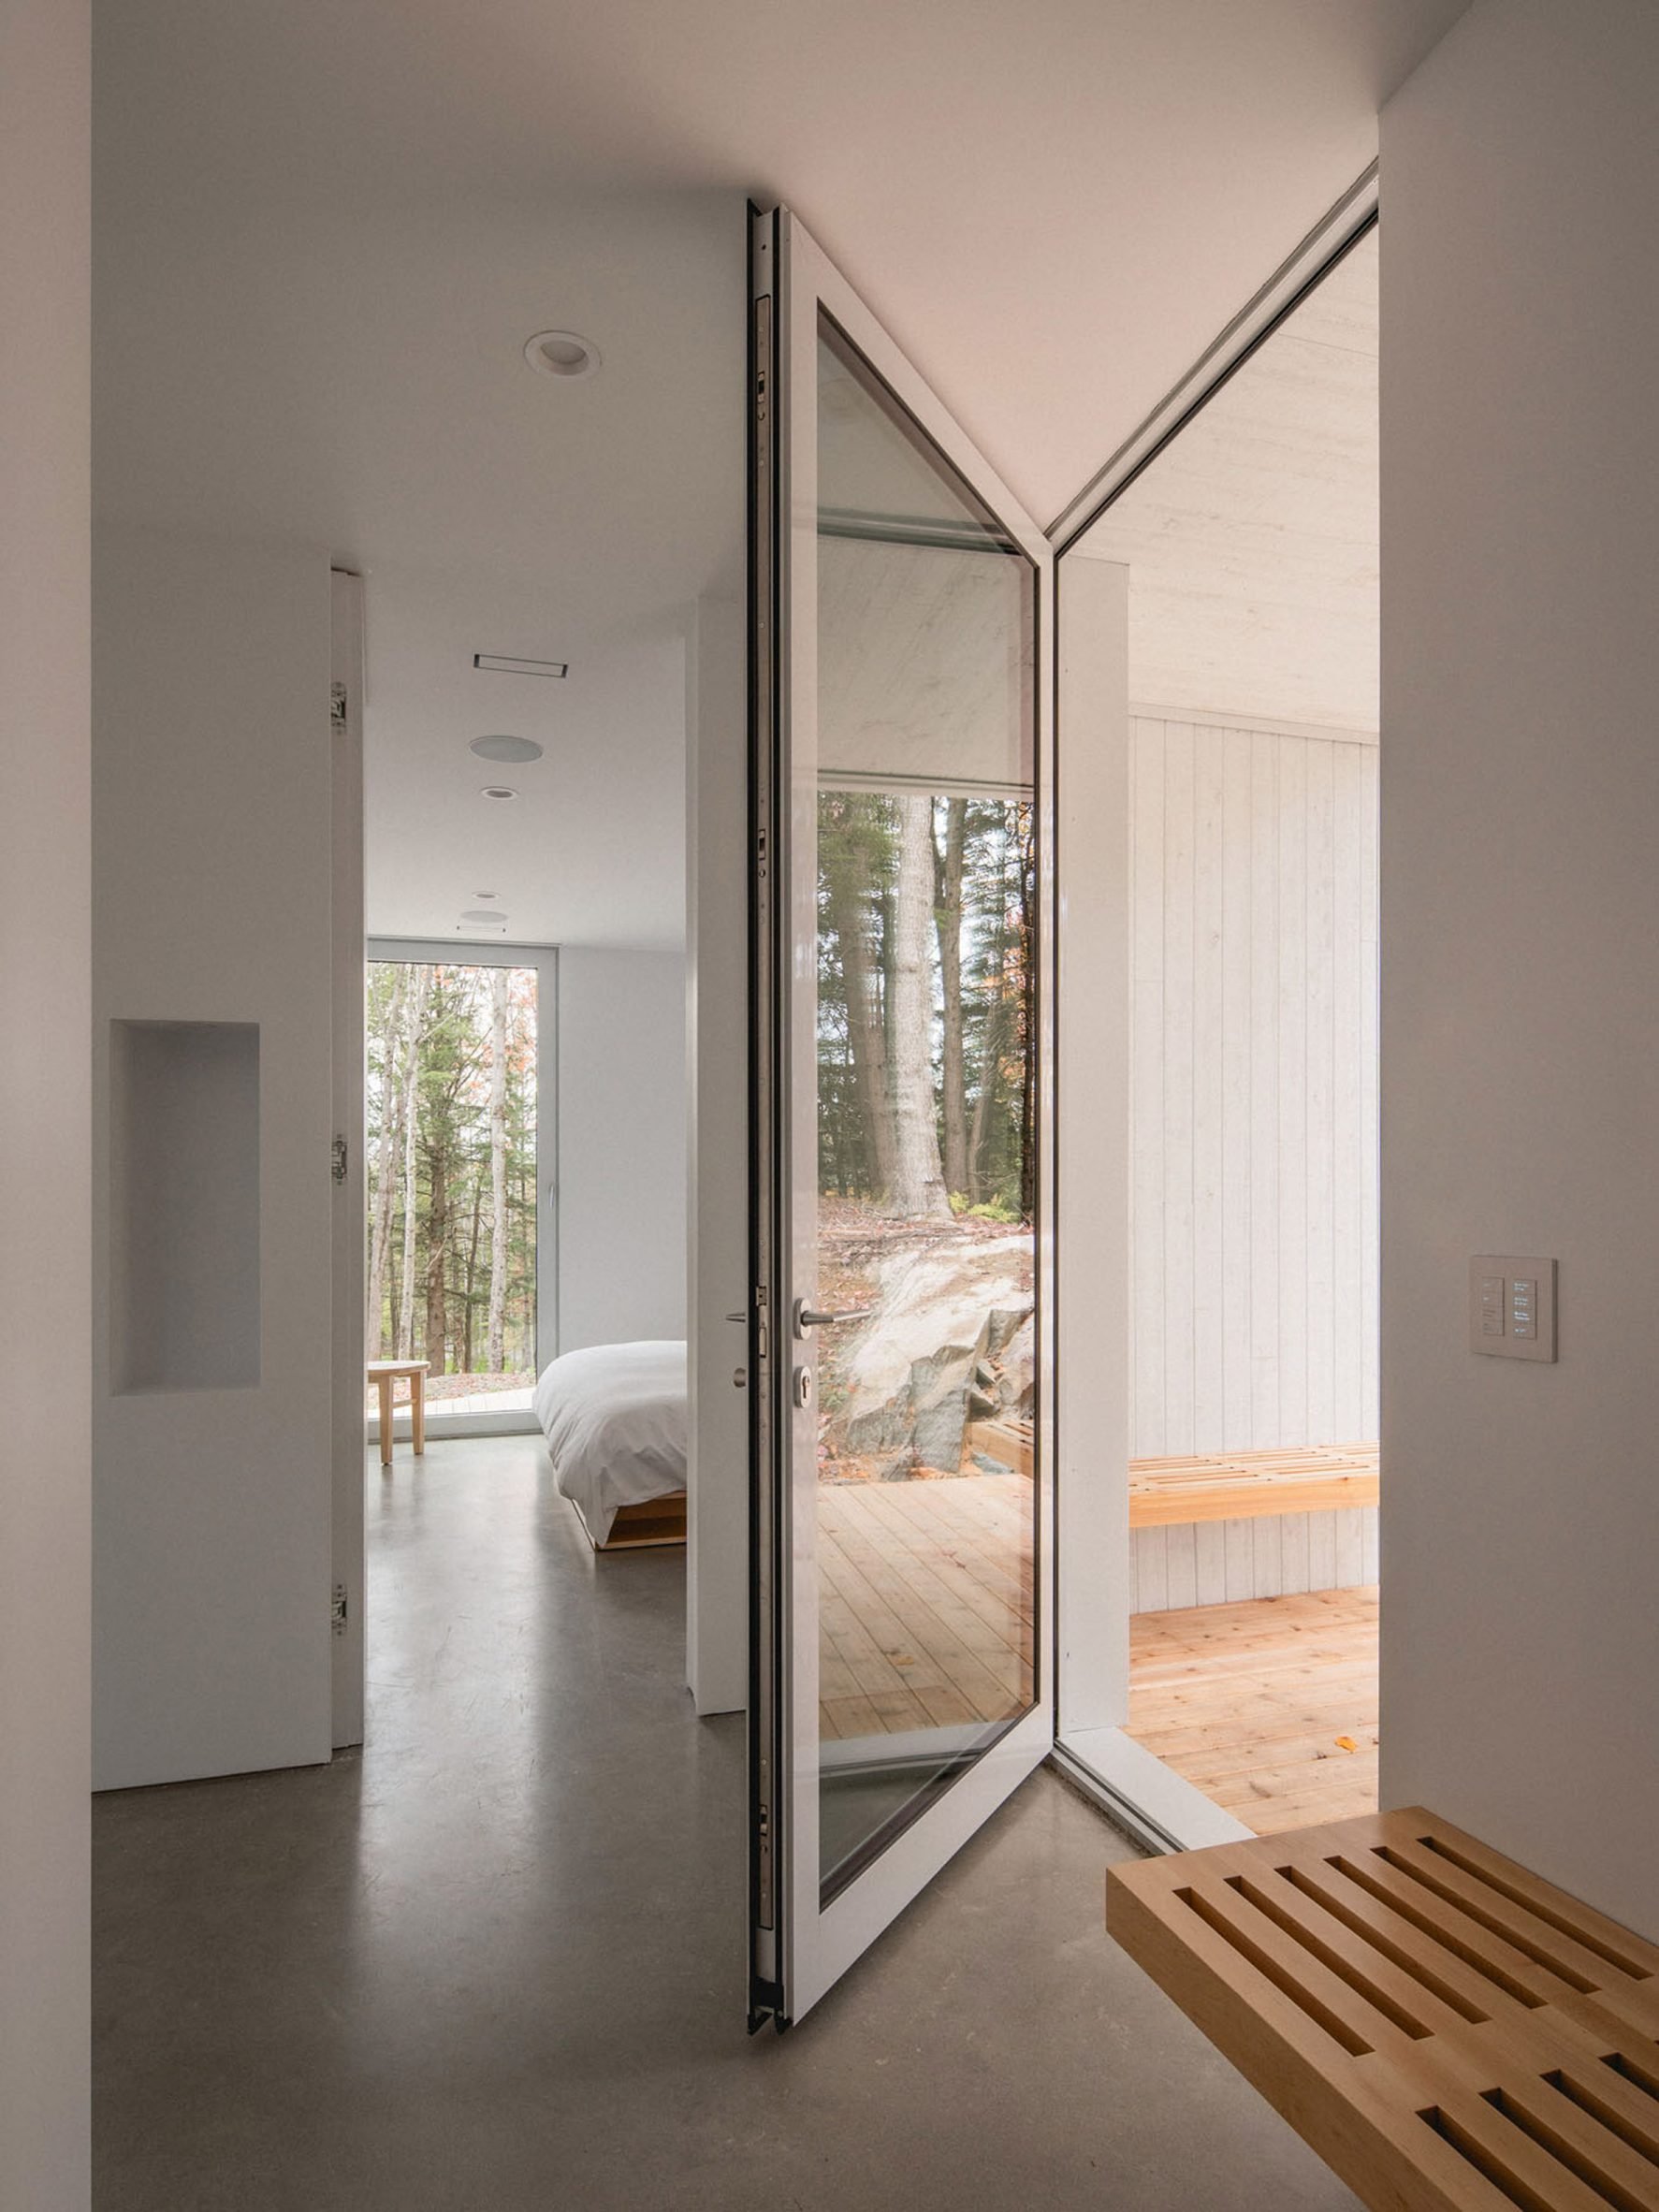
484 917
518 750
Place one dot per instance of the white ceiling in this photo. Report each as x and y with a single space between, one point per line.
323 234
1251 540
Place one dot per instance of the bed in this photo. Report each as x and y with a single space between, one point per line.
615 1418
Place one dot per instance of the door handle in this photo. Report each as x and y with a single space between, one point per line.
805 1319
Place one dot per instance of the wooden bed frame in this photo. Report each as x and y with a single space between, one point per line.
657 1522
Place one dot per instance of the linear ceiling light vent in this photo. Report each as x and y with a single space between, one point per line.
518 750
507 664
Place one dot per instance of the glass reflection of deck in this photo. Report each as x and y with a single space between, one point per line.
926 1613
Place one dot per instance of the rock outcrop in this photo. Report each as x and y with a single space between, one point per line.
953 1341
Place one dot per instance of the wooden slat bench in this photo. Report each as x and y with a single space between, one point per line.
1240 1485
1449 2032
1219 1486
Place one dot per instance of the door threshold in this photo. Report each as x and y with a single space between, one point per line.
1156 1806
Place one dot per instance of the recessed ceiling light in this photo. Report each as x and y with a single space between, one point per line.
498 790
487 894
506 749
482 918
511 664
561 352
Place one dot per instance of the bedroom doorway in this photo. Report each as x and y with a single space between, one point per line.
461 1210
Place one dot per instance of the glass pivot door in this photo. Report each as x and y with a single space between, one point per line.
902 1571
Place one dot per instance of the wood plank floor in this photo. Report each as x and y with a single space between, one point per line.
927 1612
1256 1704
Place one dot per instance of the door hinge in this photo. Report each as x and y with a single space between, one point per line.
337 698
338 1607
338 1154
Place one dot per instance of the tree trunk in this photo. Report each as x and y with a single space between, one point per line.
437 1343
467 1303
851 916
948 915
495 1351
385 1166
919 1177
1028 942
409 1119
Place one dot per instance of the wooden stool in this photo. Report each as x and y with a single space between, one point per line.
383 1373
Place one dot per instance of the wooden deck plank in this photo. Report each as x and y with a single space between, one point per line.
1249 1701
926 1605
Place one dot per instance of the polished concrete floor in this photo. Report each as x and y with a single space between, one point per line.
495 1963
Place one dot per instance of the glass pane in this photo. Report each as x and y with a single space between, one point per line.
926 1098
452 1178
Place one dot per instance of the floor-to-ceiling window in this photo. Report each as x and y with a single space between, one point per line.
456 1229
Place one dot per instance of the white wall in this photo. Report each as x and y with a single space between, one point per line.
1253 1178
44 1141
621 1147
211 870
1255 1170
1520 913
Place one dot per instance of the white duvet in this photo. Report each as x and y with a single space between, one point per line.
615 1419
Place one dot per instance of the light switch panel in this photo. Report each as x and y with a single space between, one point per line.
1511 1306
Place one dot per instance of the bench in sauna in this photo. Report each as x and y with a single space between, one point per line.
1449 2032
1219 1486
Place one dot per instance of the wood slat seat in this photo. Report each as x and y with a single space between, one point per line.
1449 2032
1217 1486
1242 1485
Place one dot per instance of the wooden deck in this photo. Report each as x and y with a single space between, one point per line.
926 1615
926 1623
1258 1704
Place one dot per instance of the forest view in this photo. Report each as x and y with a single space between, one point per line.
452 1172
926 1073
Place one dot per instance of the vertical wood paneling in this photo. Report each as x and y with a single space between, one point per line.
1232 1560
1292 1091
1318 1117
1254 1195
1347 1115
1179 1025
1370 1164
1238 919
1262 834
1209 1106
1181 1566
1211 1549
1146 1193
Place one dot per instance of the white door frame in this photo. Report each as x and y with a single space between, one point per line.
1142 1793
348 1653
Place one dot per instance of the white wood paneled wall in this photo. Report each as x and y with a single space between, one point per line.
1211 1563
1254 1196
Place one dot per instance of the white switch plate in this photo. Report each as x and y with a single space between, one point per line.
1511 1306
